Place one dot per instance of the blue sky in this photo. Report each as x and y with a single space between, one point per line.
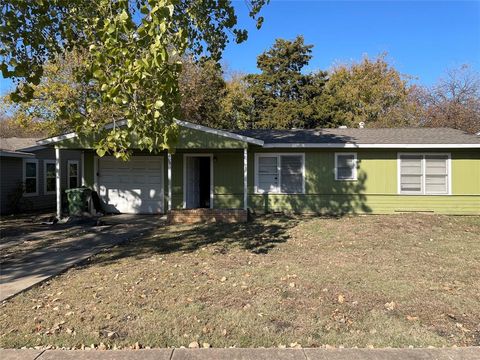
422 38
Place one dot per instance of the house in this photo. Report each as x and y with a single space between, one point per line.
316 171
27 181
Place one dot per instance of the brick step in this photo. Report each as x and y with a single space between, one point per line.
191 216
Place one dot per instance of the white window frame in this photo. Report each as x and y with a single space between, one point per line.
279 173
355 164
70 162
45 163
25 161
424 177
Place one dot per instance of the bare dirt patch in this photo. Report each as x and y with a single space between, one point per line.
395 280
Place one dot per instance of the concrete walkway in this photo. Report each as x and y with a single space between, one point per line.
27 270
471 353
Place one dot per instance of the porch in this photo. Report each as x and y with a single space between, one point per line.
208 171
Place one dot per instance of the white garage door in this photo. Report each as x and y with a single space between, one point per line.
131 187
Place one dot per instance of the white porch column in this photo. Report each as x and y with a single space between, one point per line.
245 179
169 175
58 185
82 165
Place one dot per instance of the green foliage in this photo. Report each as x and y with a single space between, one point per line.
202 88
362 92
283 96
237 105
54 101
130 65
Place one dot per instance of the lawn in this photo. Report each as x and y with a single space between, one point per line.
400 280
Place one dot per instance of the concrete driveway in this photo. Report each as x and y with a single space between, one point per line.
61 246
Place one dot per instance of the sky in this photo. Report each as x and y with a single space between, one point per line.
422 38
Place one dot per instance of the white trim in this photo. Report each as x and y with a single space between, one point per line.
245 179
45 163
183 123
82 165
355 164
58 184
95 173
223 133
210 155
25 161
32 148
423 190
169 177
15 154
371 146
73 162
279 175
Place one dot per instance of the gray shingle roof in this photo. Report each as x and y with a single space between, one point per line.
363 136
16 143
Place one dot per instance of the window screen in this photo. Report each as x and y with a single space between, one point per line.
50 177
268 173
280 173
72 175
291 174
345 166
411 173
30 177
436 174
424 174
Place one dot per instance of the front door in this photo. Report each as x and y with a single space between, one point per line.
197 182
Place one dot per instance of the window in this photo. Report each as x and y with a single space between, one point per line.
280 173
30 177
72 171
49 175
345 166
424 174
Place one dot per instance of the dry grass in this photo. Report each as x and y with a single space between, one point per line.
395 281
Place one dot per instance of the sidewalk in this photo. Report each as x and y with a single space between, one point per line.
470 353
29 269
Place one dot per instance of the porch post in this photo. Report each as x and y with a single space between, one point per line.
58 183
169 175
245 179
82 165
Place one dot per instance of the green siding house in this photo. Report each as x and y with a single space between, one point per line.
325 171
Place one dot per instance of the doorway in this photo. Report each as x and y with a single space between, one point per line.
198 187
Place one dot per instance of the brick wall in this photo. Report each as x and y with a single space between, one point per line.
190 216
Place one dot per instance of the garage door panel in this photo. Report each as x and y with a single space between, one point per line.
134 187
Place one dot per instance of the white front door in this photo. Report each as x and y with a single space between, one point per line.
131 187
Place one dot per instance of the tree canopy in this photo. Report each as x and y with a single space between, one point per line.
132 57
282 95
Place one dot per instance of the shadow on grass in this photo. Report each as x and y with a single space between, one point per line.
258 236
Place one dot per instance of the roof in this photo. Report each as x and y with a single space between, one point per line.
16 154
227 134
16 143
354 137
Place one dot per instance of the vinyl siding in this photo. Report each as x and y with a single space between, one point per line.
375 191
12 176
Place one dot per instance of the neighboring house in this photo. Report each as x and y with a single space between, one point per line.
27 180
315 171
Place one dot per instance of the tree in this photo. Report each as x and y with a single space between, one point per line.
282 95
9 127
131 48
454 101
56 99
369 91
237 105
202 89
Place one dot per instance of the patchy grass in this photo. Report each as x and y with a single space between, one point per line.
394 280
